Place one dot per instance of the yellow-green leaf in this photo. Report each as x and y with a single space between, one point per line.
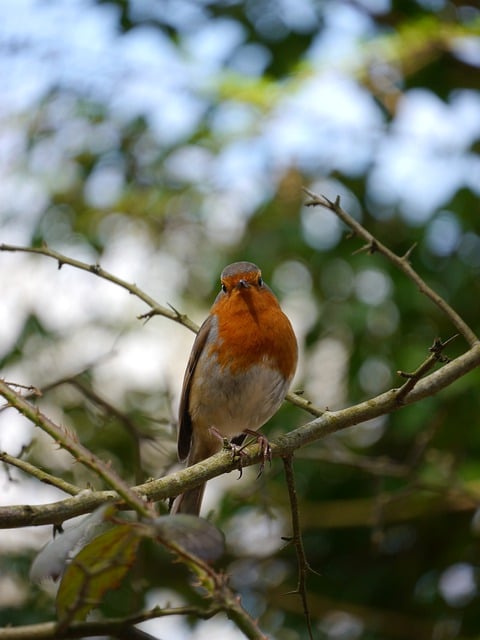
97 568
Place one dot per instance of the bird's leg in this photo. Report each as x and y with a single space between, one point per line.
236 446
265 448
230 445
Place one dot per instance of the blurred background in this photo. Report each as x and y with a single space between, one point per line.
165 139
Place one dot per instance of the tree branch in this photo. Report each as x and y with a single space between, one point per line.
96 269
67 441
401 262
41 475
118 627
297 540
175 483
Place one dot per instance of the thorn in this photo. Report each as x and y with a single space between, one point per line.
438 345
451 339
408 253
175 311
146 316
364 248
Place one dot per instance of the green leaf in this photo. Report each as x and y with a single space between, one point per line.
96 569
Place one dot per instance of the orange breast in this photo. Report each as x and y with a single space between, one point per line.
252 329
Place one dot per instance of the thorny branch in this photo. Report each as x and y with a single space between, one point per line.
96 269
67 441
174 483
401 262
41 475
436 355
297 540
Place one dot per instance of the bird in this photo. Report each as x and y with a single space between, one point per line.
240 368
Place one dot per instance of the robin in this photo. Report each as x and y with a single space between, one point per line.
240 368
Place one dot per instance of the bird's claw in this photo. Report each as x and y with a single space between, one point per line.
265 448
238 451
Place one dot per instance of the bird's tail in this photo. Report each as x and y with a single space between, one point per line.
189 502
201 448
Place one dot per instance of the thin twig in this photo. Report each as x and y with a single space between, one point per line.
77 450
401 262
378 466
41 475
97 270
114 626
129 425
297 540
303 403
436 355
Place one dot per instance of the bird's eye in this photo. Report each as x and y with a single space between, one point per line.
224 288
260 281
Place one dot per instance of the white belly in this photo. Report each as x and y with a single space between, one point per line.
233 403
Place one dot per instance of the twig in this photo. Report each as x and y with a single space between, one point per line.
41 475
297 540
77 450
303 403
402 262
97 270
129 425
436 351
155 307
114 626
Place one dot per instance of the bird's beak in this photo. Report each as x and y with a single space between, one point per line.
244 284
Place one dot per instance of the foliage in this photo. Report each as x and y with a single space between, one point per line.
388 508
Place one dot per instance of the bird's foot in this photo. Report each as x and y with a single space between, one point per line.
230 445
238 449
265 448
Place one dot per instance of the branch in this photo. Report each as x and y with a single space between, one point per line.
41 475
303 403
297 540
402 262
435 356
96 269
77 450
115 626
175 483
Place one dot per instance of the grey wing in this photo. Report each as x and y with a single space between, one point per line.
184 417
